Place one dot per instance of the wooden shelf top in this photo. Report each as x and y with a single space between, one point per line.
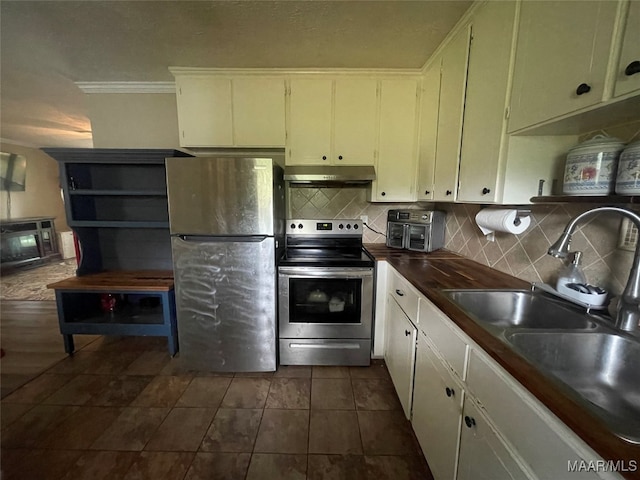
120 280
608 199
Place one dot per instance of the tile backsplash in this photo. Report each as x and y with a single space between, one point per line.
523 256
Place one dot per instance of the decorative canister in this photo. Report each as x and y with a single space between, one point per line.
591 166
628 180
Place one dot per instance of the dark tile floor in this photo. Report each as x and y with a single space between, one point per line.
122 408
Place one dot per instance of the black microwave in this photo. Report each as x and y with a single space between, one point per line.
419 230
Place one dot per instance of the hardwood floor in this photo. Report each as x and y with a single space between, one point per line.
31 341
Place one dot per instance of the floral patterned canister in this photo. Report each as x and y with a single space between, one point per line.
591 166
628 180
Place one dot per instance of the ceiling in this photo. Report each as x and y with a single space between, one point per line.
47 46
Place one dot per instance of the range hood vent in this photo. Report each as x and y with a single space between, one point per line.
329 176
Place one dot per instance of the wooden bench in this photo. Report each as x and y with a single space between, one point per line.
143 303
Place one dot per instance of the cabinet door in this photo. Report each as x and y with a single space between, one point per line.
483 454
204 111
437 411
452 92
309 125
626 80
485 103
561 46
258 112
429 105
354 126
396 172
400 353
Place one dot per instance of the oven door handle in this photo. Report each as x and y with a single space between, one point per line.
316 272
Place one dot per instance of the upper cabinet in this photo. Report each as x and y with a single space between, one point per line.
567 58
221 111
332 121
484 109
455 59
429 109
628 73
396 165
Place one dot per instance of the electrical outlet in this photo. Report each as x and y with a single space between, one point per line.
364 218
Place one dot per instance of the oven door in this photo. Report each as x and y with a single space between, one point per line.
395 234
418 237
325 302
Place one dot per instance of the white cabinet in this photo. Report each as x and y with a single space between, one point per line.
204 111
400 352
483 139
258 111
483 454
437 411
429 109
332 121
397 147
451 110
628 71
561 59
221 111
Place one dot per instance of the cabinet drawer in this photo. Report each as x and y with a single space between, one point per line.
548 444
404 294
438 328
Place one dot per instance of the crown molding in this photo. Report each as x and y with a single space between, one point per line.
126 87
231 72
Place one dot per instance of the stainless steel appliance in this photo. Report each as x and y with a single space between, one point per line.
420 230
226 215
325 283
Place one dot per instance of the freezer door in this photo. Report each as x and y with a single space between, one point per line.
225 196
226 303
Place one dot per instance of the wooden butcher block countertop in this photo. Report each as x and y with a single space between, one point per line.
431 272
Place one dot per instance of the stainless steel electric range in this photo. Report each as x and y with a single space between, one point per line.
325 281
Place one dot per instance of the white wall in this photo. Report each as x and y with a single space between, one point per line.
133 120
41 197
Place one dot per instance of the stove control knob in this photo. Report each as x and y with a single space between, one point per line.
348 226
355 227
341 226
299 225
293 225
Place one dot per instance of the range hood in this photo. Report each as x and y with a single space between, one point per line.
329 175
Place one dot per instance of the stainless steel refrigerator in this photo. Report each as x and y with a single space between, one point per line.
226 214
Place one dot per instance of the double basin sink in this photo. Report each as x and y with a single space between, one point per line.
595 363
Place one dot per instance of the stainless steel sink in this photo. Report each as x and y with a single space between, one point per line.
518 308
602 368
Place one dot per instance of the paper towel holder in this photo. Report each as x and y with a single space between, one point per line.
521 213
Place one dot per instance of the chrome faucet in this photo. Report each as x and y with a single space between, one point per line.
628 310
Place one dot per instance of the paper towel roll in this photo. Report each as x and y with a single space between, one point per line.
501 220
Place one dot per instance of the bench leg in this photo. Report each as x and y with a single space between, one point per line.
68 344
173 344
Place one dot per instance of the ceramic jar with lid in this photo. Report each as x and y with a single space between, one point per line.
591 166
628 179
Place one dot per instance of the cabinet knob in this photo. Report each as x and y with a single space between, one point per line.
407 333
450 392
427 192
400 292
448 192
324 157
469 421
339 157
582 89
383 193
632 68
486 190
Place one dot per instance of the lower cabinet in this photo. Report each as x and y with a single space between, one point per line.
400 353
437 410
483 454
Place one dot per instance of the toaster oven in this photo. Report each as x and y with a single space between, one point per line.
419 230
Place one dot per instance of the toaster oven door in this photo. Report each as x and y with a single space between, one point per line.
395 234
417 237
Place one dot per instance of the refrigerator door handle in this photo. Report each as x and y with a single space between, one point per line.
220 239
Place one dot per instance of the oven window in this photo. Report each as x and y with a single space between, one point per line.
417 237
324 300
